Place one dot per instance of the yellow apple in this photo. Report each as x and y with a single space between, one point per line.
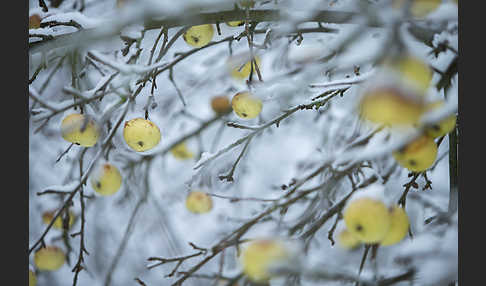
235 23
49 258
141 134
418 155
259 255
413 71
443 127
181 152
106 179
246 106
419 8
199 36
241 71
32 278
220 104
346 240
49 215
367 219
34 21
199 202
399 227
388 105
80 129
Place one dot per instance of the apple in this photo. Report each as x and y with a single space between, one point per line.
399 226
141 134
246 106
80 129
49 258
199 202
58 224
443 127
220 104
390 106
32 278
34 21
106 179
235 23
199 36
241 70
367 219
418 155
346 240
261 254
418 8
413 71
181 152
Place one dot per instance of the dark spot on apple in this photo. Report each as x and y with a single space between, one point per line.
98 185
195 39
412 162
140 143
435 127
244 114
359 228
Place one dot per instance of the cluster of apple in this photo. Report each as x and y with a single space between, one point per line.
369 220
404 104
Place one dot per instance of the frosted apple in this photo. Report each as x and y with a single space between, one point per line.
32 278
199 36
260 255
246 106
235 23
106 179
443 127
399 226
49 258
419 8
387 105
242 70
58 223
199 202
418 155
367 219
141 134
181 152
80 129
413 71
346 240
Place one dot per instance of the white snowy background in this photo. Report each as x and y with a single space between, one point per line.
163 227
